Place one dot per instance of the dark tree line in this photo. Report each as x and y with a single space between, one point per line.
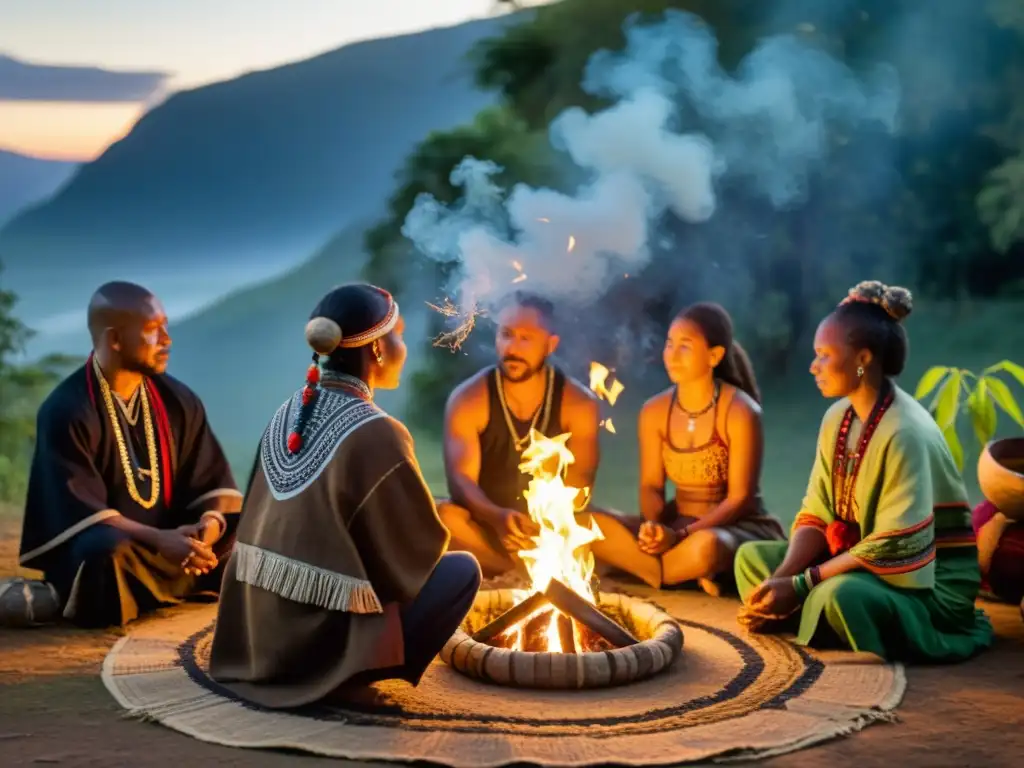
950 223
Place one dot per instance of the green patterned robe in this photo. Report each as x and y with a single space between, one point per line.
913 597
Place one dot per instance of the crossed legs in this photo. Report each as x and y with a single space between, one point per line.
701 555
469 535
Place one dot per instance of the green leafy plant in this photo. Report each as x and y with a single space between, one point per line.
955 390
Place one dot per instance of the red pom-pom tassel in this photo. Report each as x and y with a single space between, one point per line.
308 393
294 442
841 536
313 375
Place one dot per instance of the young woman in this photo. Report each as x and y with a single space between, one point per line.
339 577
703 434
882 556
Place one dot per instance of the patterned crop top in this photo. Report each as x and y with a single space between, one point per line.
701 473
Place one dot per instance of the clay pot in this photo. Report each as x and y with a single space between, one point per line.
27 603
1001 475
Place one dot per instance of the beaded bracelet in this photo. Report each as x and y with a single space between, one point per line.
800 586
813 577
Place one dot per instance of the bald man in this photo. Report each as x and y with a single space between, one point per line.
131 502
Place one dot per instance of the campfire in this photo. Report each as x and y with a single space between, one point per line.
532 633
559 613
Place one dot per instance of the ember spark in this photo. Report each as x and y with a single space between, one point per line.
599 385
455 338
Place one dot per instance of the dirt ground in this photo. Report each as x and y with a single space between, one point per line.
55 710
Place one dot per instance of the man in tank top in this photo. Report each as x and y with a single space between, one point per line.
487 425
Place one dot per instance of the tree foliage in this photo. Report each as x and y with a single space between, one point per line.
956 392
1000 201
22 389
950 221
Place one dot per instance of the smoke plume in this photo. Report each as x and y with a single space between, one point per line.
678 129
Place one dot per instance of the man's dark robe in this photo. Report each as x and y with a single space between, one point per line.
77 482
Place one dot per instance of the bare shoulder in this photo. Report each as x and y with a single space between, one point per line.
468 402
655 412
578 396
657 406
741 405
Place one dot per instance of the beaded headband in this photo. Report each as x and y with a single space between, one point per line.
381 329
324 335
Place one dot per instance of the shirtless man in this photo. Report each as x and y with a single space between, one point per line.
487 425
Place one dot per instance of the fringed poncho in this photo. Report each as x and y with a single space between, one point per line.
334 540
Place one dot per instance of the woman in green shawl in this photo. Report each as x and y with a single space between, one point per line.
882 553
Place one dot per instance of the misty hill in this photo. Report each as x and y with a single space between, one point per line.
245 353
230 183
25 180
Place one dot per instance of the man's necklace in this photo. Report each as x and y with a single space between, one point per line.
691 425
520 442
122 447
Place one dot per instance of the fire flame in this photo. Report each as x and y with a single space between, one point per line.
560 549
557 552
599 385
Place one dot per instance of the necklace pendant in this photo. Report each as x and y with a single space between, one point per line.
691 426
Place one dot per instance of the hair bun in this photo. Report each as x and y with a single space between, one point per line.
323 335
896 301
868 292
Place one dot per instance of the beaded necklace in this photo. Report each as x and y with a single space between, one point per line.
691 425
518 441
352 384
845 467
122 447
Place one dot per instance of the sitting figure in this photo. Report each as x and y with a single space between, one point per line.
881 557
704 434
487 426
339 578
131 503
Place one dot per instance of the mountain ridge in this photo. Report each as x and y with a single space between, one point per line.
26 180
248 176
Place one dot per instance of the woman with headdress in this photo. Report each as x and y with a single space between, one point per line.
339 577
881 556
704 434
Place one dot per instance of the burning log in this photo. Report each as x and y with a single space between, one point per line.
510 618
566 635
535 630
571 604
569 607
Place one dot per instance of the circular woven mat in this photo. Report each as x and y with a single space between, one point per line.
730 695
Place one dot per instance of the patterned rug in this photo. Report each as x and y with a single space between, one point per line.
731 696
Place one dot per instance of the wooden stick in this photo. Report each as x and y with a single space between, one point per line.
510 618
571 604
565 633
535 631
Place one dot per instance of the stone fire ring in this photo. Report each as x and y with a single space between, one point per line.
661 643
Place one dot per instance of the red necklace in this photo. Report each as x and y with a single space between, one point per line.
845 468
